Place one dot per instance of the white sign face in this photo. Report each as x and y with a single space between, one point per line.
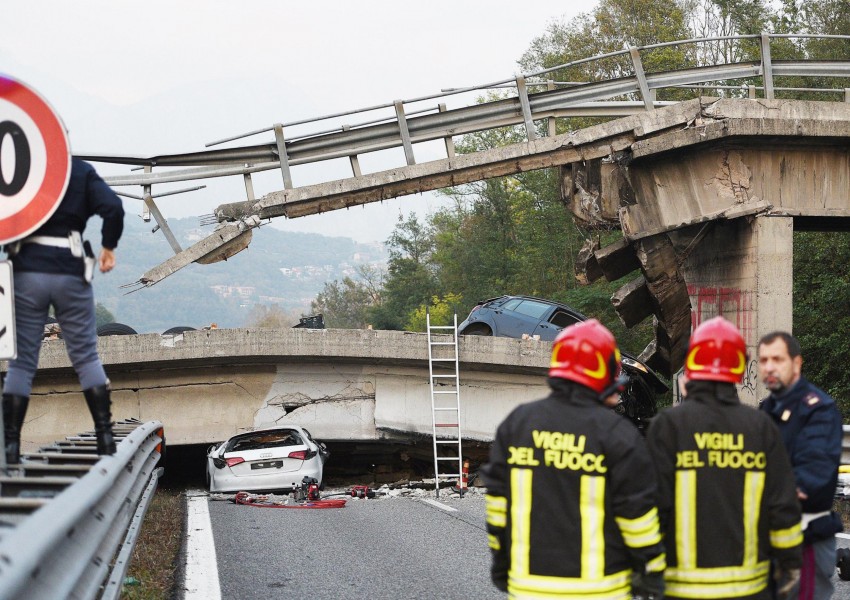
8 347
35 160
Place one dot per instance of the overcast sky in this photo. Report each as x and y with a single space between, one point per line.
169 76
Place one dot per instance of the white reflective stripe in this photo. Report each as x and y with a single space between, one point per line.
717 575
786 538
592 511
496 502
496 510
753 490
520 520
686 519
497 520
608 586
642 531
48 240
720 589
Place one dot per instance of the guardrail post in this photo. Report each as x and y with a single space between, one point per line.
404 132
637 63
352 158
249 186
450 143
847 94
766 66
150 208
284 159
550 122
522 92
751 92
146 192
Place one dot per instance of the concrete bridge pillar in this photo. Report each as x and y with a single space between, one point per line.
742 270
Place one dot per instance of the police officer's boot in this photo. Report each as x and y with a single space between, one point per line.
14 411
99 404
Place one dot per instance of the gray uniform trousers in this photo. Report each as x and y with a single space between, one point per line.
73 302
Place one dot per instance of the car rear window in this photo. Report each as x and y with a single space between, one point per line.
532 308
264 439
562 319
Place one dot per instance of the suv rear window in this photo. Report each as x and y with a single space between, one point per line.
562 319
265 439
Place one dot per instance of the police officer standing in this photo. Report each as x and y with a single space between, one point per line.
811 430
726 489
53 267
570 485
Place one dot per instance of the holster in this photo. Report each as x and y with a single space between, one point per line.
89 261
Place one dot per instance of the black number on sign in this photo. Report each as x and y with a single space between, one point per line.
22 158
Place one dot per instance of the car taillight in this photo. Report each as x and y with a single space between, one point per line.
299 454
232 462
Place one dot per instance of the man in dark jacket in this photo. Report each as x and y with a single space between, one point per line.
53 267
570 486
811 430
727 501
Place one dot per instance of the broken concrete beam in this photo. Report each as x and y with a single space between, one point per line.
633 302
617 260
586 265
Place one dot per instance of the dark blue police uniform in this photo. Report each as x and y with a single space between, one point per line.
49 270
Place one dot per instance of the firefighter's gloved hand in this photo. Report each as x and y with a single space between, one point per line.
786 582
648 586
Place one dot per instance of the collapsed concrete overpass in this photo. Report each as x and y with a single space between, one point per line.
343 385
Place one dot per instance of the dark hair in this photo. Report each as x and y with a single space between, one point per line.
791 342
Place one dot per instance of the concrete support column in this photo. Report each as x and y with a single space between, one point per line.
743 271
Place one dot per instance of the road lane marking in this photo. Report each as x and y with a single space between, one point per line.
201 582
439 505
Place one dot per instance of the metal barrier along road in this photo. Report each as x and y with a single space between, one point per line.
69 519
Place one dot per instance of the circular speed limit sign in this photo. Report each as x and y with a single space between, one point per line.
35 160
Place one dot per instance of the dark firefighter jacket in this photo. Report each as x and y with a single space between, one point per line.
570 499
727 499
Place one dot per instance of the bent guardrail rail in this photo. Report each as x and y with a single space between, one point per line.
69 519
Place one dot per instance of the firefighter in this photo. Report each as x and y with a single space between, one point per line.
726 488
570 486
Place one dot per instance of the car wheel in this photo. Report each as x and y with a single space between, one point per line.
844 564
116 329
477 330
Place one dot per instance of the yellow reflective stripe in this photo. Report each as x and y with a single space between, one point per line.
642 531
686 518
494 542
608 586
720 582
753 490
657 564
520 520
592 507
786 538
496 507
526 595
496 503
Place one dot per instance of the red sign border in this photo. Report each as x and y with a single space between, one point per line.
58 169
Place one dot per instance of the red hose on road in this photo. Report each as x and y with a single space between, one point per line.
247 499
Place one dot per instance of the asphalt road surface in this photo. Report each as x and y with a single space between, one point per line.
407 547
373 548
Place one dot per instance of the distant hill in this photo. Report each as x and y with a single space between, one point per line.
278 268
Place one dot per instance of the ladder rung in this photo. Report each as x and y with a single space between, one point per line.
443 375
446 408
441 327
448 475
448 458
443 359
445 391
446 425
448 441
442 343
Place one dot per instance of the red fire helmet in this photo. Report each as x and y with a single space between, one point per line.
586 353
716 352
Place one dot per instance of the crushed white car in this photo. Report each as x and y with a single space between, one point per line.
278 458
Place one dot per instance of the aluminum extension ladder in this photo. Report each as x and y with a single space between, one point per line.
445 401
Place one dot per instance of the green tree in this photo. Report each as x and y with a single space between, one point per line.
410 279
441 312
269 316
345 304
102 316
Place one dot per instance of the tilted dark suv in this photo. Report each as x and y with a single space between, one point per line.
514 316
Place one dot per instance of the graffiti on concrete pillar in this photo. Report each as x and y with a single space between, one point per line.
731 303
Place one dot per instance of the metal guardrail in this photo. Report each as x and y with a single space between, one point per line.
69 519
